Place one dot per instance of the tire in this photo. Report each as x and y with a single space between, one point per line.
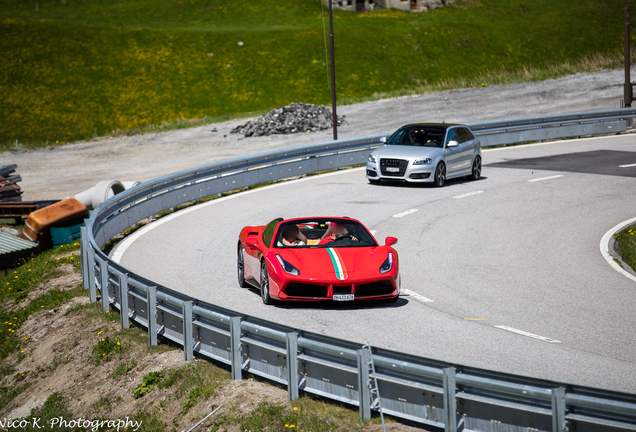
265 285
440 175
476 170
240 268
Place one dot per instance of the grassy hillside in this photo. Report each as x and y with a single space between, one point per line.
74 69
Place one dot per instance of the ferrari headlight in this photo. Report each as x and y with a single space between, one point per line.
387 264
287 266
423 161
372 158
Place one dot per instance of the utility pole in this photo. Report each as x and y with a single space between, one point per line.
333 77
627 96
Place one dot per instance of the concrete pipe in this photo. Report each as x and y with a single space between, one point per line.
99 193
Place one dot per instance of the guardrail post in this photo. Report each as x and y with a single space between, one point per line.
187 330
364 395
292 365
558 410
84 256
123 301
92 288
151 301
103 285
450 402
235 341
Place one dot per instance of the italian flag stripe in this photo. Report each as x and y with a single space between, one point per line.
338 263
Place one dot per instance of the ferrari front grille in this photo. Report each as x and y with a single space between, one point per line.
374 289
295 289
345 289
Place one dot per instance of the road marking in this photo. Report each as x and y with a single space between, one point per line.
627 166
467 194
546 178
523 333
416 296
404 213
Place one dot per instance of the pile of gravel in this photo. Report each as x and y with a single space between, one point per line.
293 118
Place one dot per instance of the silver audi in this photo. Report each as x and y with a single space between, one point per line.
426 153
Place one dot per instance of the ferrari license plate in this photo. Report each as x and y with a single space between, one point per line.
392 169
343 297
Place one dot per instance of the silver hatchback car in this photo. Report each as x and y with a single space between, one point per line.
426 153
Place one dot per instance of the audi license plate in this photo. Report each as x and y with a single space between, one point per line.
343 297
393 169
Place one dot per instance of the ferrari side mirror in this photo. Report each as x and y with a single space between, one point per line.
390 241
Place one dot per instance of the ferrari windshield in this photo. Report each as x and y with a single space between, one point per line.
423 136
319 233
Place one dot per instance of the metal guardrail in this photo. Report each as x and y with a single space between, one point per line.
449 396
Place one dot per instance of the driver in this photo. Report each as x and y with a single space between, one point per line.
335 230
418 138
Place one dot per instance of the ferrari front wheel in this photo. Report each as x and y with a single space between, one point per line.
240 267
265 285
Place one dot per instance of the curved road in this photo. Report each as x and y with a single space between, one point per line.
503 273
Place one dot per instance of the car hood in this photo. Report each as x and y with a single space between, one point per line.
406 152
340 263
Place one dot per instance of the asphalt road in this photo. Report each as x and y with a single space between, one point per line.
502 273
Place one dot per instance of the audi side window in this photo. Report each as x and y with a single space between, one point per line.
451 135
463 136
470 134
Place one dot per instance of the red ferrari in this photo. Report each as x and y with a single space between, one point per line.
310 259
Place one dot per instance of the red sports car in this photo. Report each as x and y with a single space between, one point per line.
321 258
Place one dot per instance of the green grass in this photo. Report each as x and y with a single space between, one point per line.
626 245
147 384
305 414
78 69
196 381
53 409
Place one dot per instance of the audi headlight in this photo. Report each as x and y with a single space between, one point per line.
287 266
371 158
387 264
423 161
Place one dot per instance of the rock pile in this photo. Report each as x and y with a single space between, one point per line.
293 118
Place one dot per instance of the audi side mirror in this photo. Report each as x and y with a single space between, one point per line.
383 140
452 144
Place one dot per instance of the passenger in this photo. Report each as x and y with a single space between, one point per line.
291 236
335 230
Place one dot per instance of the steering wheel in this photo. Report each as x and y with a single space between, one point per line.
342 237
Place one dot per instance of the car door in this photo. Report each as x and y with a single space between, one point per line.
452 155
467 144
251 264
